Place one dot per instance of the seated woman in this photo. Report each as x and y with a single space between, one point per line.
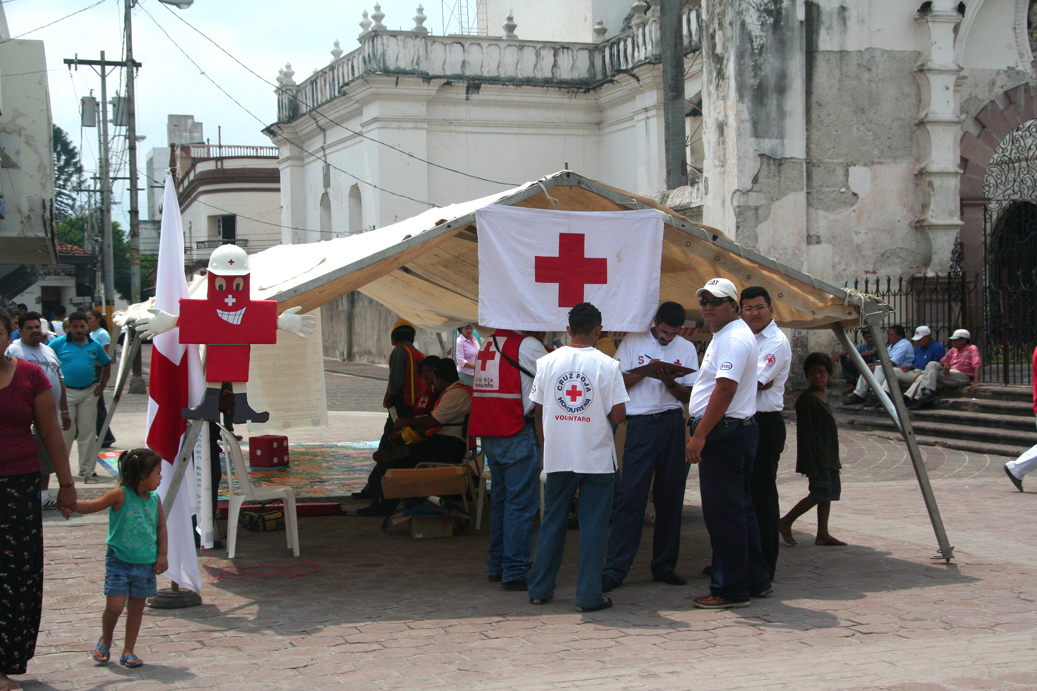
444 428
422 406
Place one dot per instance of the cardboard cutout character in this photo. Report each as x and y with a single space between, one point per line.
228 321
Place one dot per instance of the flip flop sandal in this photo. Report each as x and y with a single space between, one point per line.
130 660
101 655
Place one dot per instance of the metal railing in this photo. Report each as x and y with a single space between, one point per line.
197 151
213 244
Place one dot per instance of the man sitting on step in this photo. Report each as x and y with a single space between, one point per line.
900 353
926 350
960 366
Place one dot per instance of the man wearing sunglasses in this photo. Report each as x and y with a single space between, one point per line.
652 452
723 444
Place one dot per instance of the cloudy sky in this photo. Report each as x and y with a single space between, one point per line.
261 34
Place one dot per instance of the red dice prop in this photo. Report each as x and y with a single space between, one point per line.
268 451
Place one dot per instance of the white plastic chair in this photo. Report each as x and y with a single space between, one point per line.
241 491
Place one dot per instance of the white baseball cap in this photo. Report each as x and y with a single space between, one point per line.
921 332
719 288
961 333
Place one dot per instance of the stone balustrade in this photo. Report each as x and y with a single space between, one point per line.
482 59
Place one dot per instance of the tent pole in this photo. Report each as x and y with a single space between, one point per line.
194 430
128 354
946 549
866 372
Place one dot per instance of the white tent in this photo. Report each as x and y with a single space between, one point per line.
426 269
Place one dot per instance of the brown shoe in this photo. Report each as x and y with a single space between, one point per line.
714 602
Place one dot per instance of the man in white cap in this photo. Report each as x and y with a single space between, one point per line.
960 366
926 350
1017 469
723 444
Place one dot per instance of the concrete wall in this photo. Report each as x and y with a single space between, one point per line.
357 328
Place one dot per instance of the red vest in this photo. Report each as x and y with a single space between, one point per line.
497 392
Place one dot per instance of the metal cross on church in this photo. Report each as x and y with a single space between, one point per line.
572 270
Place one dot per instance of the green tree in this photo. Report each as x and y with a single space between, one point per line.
68 174
73 230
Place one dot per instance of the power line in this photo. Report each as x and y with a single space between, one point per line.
260 120
335 122
90 7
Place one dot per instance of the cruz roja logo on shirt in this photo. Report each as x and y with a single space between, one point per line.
574 394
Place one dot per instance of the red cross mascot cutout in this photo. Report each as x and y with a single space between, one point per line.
228 322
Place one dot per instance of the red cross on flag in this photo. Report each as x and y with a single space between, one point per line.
536 264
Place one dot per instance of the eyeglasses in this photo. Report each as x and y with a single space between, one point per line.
755 308
714 302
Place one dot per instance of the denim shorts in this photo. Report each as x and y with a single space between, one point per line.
122 579
826 487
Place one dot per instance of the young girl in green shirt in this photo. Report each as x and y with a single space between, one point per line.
817 452
136 549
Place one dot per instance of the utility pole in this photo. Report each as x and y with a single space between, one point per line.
107 255
137 383
671 36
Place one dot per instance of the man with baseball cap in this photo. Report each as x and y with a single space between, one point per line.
723 444
926 350
960 366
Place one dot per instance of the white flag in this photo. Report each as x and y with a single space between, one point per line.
177 380
535 265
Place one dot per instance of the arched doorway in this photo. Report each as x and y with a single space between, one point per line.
1010 253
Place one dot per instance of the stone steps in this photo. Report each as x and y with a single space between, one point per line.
999 420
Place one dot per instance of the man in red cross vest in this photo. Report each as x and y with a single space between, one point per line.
502 416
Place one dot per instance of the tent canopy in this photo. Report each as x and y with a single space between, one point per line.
426 268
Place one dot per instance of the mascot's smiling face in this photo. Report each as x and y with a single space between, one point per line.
229 282
230 294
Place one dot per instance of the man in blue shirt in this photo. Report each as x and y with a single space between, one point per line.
900 353
926 350
86 368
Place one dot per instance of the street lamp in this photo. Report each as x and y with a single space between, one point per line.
137 384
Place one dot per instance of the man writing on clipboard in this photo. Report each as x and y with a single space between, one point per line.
654 445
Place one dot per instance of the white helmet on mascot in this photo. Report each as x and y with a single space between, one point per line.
229 260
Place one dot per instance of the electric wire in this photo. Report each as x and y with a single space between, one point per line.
260 120
329 119
32 31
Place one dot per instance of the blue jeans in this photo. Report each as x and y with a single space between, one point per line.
593 508
654 449
122 578
514 464
738 567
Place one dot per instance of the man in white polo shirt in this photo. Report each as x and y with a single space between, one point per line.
723 444
772 371
653 455
578 391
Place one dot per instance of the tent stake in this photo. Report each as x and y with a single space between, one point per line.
946 549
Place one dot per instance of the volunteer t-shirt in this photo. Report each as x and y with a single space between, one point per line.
731 355
650 395
43 357
578 388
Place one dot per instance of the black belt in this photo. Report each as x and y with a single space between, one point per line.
80 388
770 412
747 422
670 411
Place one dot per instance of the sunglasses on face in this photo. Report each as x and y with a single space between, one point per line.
713 302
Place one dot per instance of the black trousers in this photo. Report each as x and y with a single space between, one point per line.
763 485
436 449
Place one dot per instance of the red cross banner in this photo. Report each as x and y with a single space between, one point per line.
536 264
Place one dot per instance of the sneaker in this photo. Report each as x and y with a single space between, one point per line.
853 399
608 584
539 601
48 502
605 604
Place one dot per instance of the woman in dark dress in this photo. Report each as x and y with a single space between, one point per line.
26 399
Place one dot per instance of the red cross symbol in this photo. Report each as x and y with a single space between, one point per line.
486 356
573 393
571 270
231 262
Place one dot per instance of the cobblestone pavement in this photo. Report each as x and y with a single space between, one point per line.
375 611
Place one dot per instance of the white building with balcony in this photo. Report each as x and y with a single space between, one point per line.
228 194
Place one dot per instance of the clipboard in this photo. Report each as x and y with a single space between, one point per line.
654 369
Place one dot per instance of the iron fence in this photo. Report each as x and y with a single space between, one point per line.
1001 316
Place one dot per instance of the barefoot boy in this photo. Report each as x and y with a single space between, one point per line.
817 456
